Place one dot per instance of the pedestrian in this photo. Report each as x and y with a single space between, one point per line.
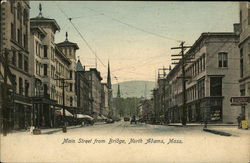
239 121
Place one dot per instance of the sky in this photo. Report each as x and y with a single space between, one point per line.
135 36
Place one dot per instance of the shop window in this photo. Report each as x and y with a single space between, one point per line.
215 113
216 86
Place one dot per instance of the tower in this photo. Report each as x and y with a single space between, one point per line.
109 78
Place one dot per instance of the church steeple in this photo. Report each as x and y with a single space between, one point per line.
109 78
118 92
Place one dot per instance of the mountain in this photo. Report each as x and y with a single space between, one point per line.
134 88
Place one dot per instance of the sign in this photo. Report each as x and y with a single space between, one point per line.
240 100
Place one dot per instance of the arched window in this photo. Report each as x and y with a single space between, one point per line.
25 16
12 7
19 11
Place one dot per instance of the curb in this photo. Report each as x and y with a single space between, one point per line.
217 132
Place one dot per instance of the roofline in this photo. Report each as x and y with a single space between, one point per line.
46 21
202 37
68 44
41 30
96 72
62 55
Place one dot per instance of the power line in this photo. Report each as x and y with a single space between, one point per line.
132 26
85 41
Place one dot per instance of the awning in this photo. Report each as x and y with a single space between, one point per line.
67 113
84 116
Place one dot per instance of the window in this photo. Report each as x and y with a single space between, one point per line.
70 74
204 62
25 39
26 88
14 77
248 16
70 87
201 88
12 7
18 11
71 101
20 86
26 64
12 31
37 48
37 68
241 63
19 39
222 58
215 86
45 49
45 89
45 68
25 16
20 60
13 60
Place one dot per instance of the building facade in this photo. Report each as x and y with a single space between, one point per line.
15 33
244 46
95 78
212 81
82 89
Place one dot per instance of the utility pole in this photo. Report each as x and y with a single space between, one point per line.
64 129
183 61
162 80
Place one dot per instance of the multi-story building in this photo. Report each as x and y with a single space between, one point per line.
105 100
53 70
15 29
95 78
82 89
43 54
244 45
69 50
212 80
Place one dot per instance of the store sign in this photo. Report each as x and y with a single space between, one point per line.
240 100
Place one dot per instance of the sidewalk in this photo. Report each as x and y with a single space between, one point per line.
199 124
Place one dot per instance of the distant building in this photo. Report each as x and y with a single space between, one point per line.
82 89
95 78
105 100
244 46
213 80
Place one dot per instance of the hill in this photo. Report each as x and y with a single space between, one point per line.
134 88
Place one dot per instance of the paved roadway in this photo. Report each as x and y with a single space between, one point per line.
111 143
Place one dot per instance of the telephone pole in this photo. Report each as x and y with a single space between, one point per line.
183 60
64 129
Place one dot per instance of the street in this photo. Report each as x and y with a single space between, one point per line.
125 142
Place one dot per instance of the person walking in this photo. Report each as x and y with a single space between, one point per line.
239 121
